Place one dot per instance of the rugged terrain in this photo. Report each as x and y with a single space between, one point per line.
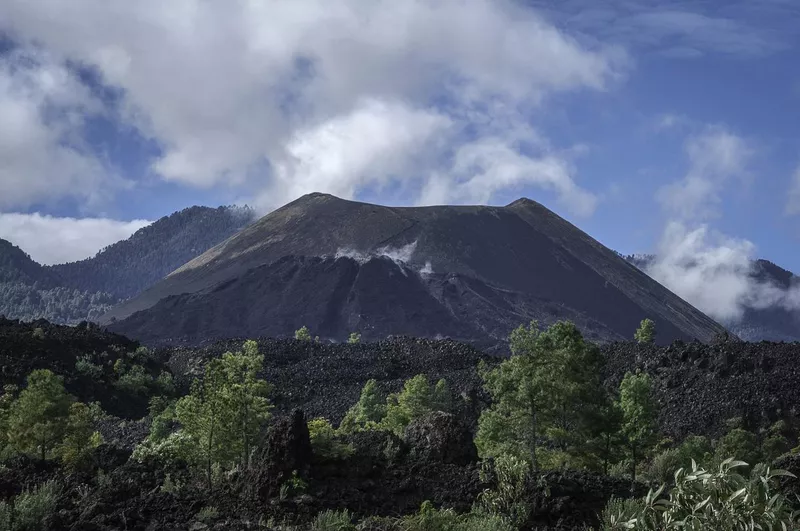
471 273
698 387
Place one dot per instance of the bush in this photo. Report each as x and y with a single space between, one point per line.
701 499
85 366
508 497
324 441
302 334
29 509
739 443
333 521
134 380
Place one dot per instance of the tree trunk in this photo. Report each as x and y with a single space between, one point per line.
633 467
208 450
534 461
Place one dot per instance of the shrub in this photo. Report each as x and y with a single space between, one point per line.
302 334
325 442
207 514
38 333
507 499
333 521
355 337
663 465
134 380
739 443
701 499
85 366
28 509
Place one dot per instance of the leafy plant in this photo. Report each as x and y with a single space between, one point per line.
639 415
507 498
355 337
367 412
701 499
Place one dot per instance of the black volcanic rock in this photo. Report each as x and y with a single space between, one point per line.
470 272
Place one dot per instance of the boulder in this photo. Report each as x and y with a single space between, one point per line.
440 437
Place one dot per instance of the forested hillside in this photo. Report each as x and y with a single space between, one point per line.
127 267
85 290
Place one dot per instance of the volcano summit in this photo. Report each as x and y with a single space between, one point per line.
472 273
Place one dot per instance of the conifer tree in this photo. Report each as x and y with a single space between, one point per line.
646 333
367 412
639 414
37 419
226 410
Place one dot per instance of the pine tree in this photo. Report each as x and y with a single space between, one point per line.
355 337
80 436
302 334
248 395
639 414
367 412
38 417
226 410
646 333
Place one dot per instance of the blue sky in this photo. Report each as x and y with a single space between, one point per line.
636 120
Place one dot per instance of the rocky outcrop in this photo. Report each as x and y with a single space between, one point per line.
440 437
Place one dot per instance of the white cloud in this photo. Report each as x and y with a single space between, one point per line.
715 156
52 240
43 107
793 200
708 269
228 88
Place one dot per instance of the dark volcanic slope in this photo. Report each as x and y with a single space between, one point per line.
521 258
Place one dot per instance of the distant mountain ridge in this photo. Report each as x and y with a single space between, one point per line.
768 324
85 290
339 266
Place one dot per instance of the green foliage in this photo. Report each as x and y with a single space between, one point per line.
355 337
6 400
530 405
639 414
302 334
81 437
85 366
208 513
646 333
226 411
619 511
38 333
417 399
27 511
134 379
37 419
739 443
367 412
507 499
774 446
325 443
333 521
703 500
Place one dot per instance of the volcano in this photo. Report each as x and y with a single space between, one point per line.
471 273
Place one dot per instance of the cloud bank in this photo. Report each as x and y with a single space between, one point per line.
710 270
51 240
285 98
